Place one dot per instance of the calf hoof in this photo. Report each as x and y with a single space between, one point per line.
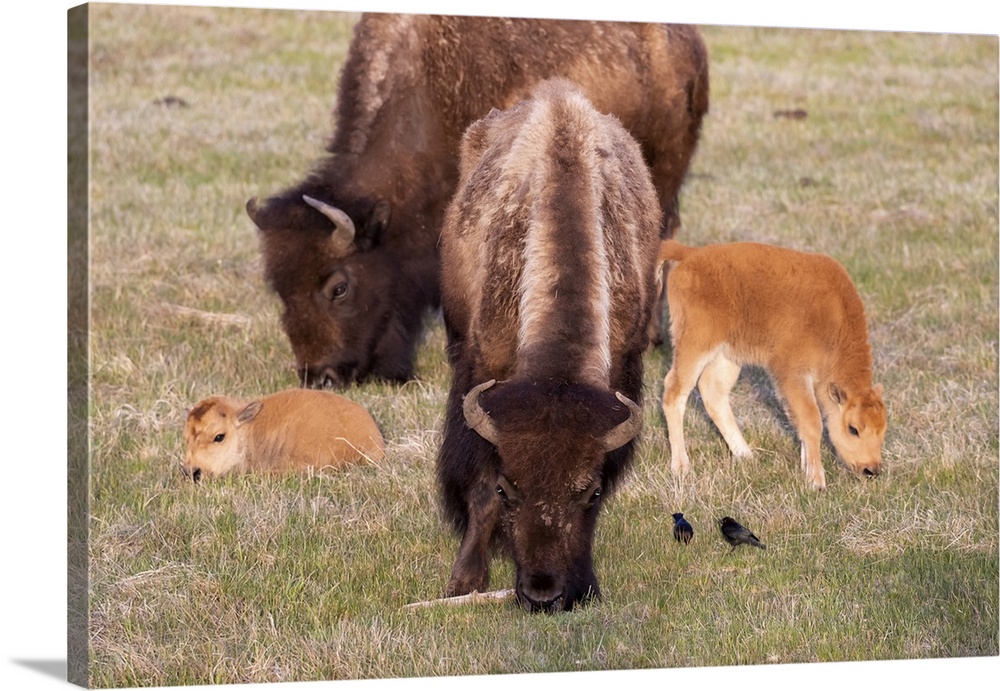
742 452
680 466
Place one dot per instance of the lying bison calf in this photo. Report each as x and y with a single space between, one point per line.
289 430
797 315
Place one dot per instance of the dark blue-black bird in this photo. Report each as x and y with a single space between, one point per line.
736 534
683 532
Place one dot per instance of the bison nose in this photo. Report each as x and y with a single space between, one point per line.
540 592
319 378
871 471
327 377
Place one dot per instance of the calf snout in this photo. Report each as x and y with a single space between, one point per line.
189 471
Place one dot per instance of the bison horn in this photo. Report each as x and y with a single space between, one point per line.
623 433
476 417
343 226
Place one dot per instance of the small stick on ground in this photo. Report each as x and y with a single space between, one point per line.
472 598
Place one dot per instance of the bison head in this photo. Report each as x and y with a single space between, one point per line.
552 440
338 288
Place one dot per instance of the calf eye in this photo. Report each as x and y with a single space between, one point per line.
218 438
853 430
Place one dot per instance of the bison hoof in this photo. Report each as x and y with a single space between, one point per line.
459 585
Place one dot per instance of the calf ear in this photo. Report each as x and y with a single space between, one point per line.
837 394
248 413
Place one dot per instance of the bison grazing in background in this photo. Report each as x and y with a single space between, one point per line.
548 253
352 250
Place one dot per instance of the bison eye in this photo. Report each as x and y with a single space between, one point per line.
593 496
339 291
218 438
335 287
506 491
853 430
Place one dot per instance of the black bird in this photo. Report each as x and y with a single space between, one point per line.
736 534
683 532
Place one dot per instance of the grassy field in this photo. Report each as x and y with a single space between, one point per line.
893 170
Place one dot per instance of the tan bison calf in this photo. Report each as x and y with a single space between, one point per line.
795 314
289 430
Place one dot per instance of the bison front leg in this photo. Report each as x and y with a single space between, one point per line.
472 568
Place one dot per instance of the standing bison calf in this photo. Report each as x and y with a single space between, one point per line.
795 314
548 253
289 430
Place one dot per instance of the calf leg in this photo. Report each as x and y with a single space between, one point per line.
471 570
716 381
805 415
677 385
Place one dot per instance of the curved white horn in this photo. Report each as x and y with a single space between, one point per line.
626 431
476 417
343 226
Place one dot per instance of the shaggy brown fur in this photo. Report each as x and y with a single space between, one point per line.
286 431
354 300
548 252
796 314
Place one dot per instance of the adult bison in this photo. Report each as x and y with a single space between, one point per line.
548 253
352 249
